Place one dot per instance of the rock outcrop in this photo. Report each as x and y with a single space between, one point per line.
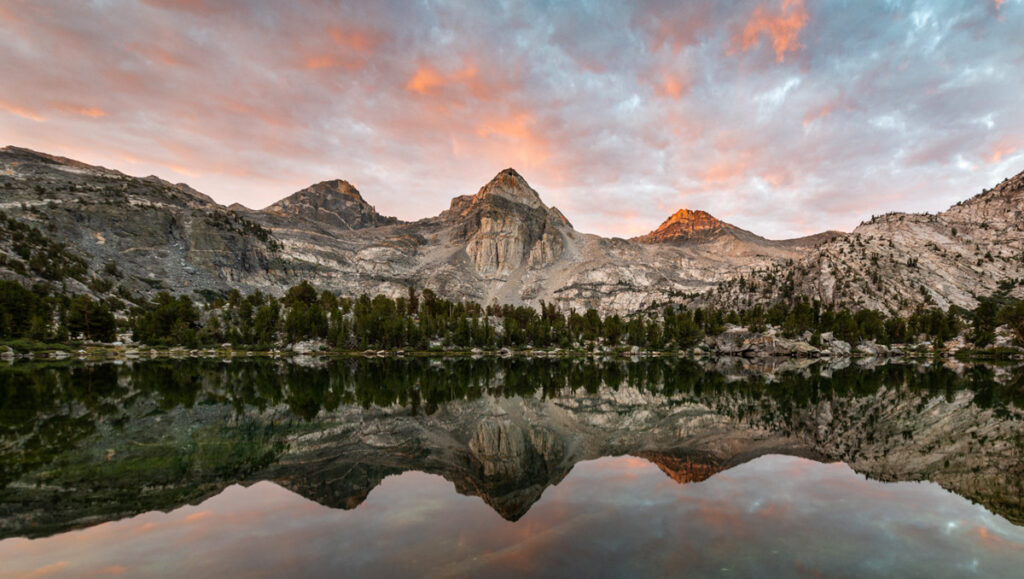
739 341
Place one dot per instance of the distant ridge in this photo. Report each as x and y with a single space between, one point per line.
689 227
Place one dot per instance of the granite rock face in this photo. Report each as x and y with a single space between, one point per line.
898 261
506 226
502 245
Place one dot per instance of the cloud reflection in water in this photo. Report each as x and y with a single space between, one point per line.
775 515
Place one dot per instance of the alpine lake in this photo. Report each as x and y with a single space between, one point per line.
504 467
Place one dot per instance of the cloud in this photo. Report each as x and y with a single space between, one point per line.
46 571
91 112
425 81
21 111
783 117
1004 148
782 25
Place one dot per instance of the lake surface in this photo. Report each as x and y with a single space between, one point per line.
503 467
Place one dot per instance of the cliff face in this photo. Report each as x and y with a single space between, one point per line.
506 226
159 235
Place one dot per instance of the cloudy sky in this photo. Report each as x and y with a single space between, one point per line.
785 117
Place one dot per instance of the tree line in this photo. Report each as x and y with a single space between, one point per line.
421 320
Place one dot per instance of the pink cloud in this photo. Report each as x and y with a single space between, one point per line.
782 26
425 81
1003 148
21 111
91 112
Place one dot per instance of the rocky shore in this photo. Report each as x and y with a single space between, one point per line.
734 342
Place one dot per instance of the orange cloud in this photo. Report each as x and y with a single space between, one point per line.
21 111
782 26
153 49
514 128
352 40
515 138
91 112
1002 149
201 7
998 3
425 81
428 80
672 85
351 47
183 171
196 516
777 178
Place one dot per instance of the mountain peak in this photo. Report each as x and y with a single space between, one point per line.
510 185
686 225
334 187
335 202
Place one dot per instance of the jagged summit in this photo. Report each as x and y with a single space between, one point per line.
329 188
510 185
335 203
686 225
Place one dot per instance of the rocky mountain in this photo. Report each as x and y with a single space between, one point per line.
686 226
157 235
699 228
898 261
333 203
501 245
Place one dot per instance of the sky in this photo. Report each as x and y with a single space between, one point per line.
785 117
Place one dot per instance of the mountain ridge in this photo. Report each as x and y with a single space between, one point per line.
501 245
899 261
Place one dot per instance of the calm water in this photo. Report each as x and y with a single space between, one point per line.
499 468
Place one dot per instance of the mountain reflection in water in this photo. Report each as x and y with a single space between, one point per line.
774 516
83 444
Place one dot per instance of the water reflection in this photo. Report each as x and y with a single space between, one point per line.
82 444
774 516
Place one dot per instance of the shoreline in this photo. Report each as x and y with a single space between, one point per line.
107 352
